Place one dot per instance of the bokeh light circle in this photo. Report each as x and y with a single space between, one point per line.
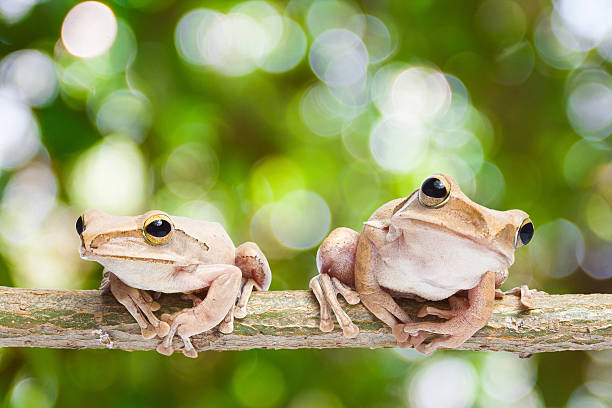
111 176
20 132
32 74
457 377
589 104
125 112
398 146
338 57
289 50
89 29
420 92
301 219
557 249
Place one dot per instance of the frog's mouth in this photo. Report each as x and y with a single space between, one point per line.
99 251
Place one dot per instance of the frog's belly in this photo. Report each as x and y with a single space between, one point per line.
165 278
434 265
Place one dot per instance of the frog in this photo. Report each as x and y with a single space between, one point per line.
435 244
146 255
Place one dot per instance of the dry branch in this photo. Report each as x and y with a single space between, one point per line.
80 319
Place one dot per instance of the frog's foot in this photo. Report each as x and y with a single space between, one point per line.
214 309
189 350
326 290
195 299
457 305
141 306
227 325
255 273
525 294
245 293
469 317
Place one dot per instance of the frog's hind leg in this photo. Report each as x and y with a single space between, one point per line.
330 291
326 324
255 273
140 305
336 265
224 287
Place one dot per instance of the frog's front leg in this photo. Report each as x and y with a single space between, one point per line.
224 285
138 303
464 323
255 274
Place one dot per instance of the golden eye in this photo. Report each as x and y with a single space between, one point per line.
524 233
157 229
434 191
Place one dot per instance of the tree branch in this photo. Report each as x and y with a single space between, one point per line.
80 319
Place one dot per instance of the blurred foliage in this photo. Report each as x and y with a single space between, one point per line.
282 128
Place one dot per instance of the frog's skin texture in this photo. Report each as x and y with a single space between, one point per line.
426 247
161 253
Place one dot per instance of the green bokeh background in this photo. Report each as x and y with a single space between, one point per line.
252 148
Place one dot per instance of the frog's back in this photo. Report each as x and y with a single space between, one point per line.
216 245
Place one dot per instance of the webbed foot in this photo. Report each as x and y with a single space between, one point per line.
525 294
140 305
326 290
465 318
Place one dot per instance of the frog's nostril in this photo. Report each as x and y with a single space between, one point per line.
79 225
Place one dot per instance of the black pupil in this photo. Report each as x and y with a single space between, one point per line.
434 188
79 225
526 233
158 228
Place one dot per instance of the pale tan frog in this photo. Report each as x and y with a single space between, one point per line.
434 244
159 253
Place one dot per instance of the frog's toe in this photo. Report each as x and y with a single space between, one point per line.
191 353
399 333
240 312
326 325
350 331
162 329
166 351
226 327
148 332
154 306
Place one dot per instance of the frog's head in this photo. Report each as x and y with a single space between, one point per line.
440 204
150 237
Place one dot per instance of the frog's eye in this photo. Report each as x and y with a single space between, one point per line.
157 229
434 191
80 226
524 234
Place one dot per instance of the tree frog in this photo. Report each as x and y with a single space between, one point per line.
161 253
434 244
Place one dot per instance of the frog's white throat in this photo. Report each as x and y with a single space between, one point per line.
433 264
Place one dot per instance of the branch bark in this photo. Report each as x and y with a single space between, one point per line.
87 319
